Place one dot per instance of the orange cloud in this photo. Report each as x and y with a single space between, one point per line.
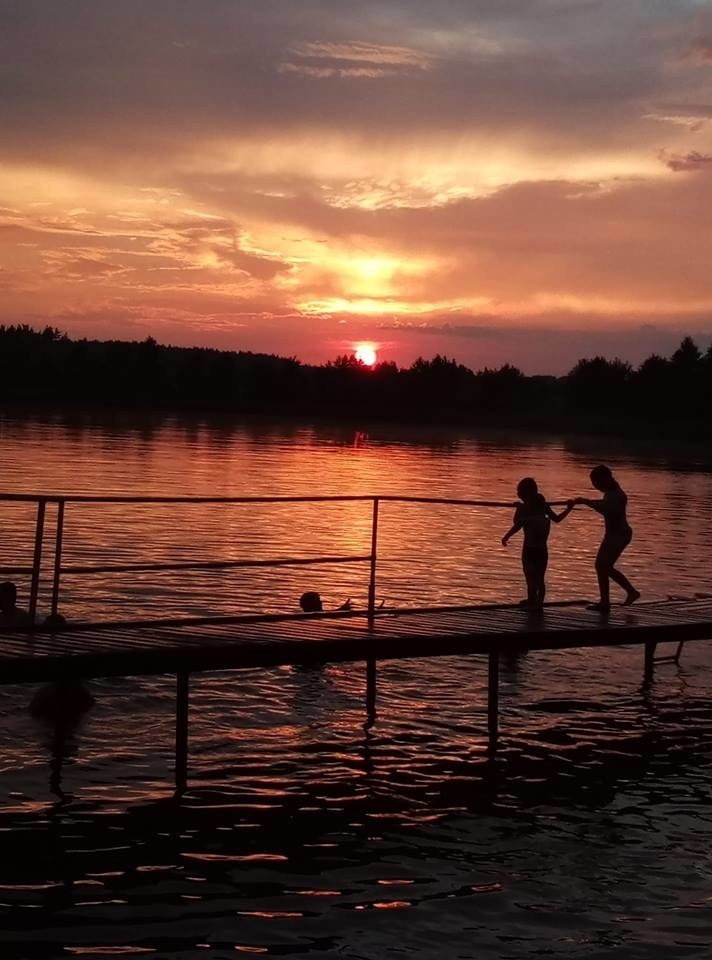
294 180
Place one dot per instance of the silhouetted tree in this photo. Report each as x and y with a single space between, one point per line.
599 384
651 385
47 367
686 378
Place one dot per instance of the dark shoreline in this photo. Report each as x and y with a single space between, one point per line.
664 399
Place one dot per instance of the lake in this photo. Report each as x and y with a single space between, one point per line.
302 835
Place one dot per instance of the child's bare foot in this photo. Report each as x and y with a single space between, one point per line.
599 607
631 598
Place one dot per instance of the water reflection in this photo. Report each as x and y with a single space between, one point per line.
59 710
426 553
339 823
302 833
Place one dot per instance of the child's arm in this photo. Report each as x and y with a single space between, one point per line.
515 528
598 505
558 517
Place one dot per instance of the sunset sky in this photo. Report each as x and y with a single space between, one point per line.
522 180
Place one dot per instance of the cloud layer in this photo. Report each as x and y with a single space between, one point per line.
299 177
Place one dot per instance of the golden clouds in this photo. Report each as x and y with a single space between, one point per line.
322 168
323 60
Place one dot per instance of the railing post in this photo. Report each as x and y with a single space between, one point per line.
181 765
374 552
37 559
493 700
57 557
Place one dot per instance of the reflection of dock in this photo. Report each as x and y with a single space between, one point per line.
188 646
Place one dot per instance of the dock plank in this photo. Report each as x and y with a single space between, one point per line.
114 650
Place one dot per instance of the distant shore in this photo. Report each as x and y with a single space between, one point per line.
664 399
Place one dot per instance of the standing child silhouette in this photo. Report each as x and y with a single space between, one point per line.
616 537
534 516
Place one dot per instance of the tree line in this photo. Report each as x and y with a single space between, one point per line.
48 368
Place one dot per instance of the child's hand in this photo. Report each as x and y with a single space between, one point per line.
570 504
505 541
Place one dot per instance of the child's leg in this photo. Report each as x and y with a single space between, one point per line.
531 584
542 589
623 581
535 569
537 580
603 569
530 578
610 551
542 575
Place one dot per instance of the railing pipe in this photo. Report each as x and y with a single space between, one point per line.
58 557
213 564
37 559
374 555
61 500
336 498
127 498
456 502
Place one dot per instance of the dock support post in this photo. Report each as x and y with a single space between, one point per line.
649 668
181 766
370 692
493 700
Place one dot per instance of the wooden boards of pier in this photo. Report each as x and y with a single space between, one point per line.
184 647
98 650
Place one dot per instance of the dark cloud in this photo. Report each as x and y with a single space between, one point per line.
700 51
126 82
547 344
691 161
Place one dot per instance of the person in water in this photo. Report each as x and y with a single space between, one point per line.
534 516
311 602
12 617
617 535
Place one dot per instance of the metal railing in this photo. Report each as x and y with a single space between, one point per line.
63 502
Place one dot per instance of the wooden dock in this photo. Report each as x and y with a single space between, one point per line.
182 647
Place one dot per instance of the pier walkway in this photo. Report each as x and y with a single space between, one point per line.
191 645
182 647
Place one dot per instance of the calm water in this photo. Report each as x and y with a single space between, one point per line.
303 836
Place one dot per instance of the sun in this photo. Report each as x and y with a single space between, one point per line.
366 353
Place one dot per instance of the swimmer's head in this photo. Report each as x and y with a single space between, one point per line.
8 596
310 602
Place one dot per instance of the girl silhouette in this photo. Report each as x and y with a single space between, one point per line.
533 516
617 535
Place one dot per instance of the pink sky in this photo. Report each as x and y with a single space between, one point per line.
494 180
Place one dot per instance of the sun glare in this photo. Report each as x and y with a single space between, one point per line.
366 354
